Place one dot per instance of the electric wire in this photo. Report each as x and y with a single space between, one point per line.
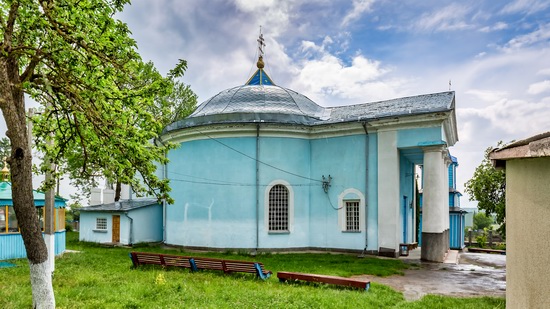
259 161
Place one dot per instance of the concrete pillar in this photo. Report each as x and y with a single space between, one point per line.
434 209
446 215
388 194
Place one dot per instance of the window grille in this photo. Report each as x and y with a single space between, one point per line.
352 215
278 208
101 224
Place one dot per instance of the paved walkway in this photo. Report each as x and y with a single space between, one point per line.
462 274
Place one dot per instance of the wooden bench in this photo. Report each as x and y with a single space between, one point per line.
246 267
284 276
143 258
198 263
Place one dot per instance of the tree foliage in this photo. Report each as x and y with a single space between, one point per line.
98 113
488 188
481 220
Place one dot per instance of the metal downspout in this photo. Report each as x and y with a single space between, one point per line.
130 240
366 186
257 188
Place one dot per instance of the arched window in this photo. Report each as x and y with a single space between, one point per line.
278 217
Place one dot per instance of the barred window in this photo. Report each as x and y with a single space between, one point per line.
352 216
278 208
101 223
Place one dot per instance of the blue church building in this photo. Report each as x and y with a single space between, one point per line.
261 167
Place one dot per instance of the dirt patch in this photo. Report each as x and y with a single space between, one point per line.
476 274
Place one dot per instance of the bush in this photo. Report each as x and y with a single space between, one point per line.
481 221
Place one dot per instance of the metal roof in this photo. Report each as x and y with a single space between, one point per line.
274 104
420 104
121 206
39 197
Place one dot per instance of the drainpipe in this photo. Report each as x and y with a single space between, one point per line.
366 185
257 188
131 228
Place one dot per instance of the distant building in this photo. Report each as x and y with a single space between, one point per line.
11 242
527 164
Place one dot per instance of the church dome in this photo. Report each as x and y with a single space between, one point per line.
259 99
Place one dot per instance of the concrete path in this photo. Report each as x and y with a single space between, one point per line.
462 274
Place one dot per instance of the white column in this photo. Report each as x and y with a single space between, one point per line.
446 197
435 206
388 192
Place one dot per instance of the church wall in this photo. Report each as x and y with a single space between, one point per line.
292 155
344 159
414 137
214 193
406 209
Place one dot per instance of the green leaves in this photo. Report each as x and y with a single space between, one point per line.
102 106
488 188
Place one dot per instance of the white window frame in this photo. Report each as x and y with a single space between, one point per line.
99 226
351 195
290 207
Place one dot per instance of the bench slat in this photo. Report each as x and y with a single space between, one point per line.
196 263
283 276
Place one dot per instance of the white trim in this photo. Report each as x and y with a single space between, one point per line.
342 209
290 206
267 130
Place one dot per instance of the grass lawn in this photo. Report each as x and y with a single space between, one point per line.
100 277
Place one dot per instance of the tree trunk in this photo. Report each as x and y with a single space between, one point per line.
12 105
118 188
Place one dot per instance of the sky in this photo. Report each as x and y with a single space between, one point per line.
495 55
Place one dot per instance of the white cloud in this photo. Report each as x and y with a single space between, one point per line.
525 6
542 34
254 5
488 95
328 79
540 87
496 27
359 7
449 18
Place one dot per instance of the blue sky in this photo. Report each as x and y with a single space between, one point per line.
496 54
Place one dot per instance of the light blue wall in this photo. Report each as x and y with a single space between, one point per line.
345 160
406 213
218 209
214 193
87 227
12 246
292 155
419 137
147 225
